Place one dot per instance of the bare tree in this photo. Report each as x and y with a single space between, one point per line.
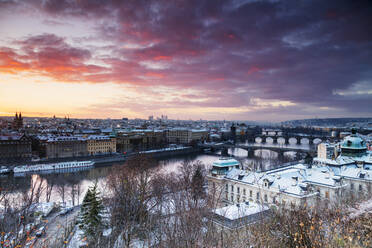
130 187
61 187
49 189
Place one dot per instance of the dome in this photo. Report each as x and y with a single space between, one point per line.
354 142
353 145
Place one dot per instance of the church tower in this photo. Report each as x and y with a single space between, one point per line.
18 121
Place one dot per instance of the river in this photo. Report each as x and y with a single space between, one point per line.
73 184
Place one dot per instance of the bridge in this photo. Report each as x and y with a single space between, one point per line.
286 137
252 148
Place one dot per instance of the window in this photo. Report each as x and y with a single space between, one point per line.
274 199
244 192
232 188
265 198
227 187
258 196
351 186
360 187
232 197
327 194
238 190
250 193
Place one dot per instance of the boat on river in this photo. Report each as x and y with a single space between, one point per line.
52 166
4 170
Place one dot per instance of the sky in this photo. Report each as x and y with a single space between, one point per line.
188 59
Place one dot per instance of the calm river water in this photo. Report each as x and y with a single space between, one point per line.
81 180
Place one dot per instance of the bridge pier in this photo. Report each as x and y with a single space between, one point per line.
298 140
280 155
286 140
251 139
250 153
311 141
298 157
263 140
225 152
275 140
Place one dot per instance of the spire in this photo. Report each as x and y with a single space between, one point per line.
20 115
16 116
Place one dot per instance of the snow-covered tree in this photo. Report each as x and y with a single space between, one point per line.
91 214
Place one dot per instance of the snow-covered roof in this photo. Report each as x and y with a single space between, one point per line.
65 138
345 160
11 137
237 211
98 137
291 180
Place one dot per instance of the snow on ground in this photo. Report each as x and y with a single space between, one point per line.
362 208
44 208
107 232
77 240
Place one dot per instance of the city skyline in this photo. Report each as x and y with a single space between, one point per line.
233 60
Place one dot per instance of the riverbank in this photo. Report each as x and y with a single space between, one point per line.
114 158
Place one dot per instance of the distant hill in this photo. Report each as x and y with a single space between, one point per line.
340 122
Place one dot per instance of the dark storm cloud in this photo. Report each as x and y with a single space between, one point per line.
298 51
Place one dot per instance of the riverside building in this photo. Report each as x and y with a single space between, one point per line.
15 147
185 135
295 185
99 144
65 146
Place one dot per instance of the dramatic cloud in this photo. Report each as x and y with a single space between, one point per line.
287 58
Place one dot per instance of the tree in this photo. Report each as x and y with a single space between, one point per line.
91 214
130 186
197 183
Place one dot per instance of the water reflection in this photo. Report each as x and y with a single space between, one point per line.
71 186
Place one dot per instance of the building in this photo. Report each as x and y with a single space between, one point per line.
185 136
15 147
65 147
236 216
99 144
331 179
327 150
293 185
123 143
18 121
353 151
353 145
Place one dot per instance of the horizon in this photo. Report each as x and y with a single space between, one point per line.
260 61
155 118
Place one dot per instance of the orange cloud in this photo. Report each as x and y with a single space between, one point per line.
9 63
48 55
163 57
155 74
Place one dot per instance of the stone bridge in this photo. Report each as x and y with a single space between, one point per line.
252 148
286 138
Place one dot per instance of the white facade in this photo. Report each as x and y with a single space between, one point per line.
292 185
326 151
331 177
